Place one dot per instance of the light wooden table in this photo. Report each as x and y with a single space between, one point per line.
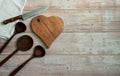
88 46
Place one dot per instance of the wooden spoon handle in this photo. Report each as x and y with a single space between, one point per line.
12 19
20 67
7 58
3 47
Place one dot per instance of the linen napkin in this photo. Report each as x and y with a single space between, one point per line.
8 9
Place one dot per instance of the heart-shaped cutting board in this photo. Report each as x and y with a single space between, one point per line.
47 28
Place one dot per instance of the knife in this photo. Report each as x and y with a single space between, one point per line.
26 15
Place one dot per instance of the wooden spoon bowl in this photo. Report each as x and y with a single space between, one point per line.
20 27
24 43
39 51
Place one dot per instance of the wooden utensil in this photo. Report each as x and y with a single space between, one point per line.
19 28
24 43
47 28
38 52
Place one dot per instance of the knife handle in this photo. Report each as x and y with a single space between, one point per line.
12 19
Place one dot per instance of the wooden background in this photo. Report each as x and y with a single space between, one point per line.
88 46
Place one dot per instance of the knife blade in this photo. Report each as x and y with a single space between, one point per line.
26 15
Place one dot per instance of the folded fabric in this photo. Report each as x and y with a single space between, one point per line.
8 9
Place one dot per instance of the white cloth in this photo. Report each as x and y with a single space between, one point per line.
8 9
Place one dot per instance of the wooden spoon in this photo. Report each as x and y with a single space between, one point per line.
38 52
24 43
19 28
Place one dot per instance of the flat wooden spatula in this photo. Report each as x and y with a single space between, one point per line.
47 28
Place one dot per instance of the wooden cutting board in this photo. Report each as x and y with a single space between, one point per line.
47 28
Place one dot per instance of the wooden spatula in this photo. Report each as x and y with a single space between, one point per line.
47 28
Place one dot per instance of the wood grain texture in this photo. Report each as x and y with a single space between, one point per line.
47 28
88 46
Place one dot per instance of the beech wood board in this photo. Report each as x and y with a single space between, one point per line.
47 28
